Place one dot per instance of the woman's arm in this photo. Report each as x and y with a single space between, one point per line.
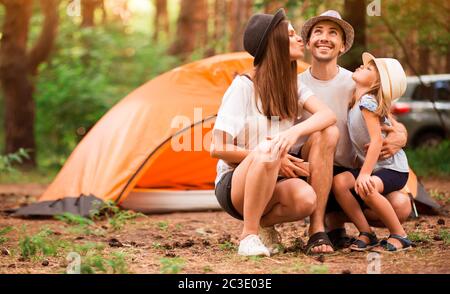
222 147
322 117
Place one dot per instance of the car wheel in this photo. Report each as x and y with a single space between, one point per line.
428 140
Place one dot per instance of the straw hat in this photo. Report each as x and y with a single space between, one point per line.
257 30
334 16
392 75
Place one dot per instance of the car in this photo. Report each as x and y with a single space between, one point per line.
416 112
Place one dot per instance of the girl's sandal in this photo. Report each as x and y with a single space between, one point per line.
360 245
389 247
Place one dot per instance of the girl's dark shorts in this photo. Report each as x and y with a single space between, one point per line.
392 181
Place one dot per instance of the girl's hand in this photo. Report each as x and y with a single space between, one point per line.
364 185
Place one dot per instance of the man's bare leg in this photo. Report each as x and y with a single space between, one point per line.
319 151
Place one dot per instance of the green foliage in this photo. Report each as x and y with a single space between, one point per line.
73 219
3 232
7 161
430 161
318 269
419 237
116 216
227 246
445 236
97 263
41 244
162 225
91 69
171 265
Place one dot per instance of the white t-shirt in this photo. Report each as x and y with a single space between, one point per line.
239 116
336 94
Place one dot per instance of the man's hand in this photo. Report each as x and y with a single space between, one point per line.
293 167
395 139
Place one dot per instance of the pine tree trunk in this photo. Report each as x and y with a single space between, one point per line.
424 60
88 12
447 65
273 5
16 68
355 14
240 13
191 28
161 19
17 88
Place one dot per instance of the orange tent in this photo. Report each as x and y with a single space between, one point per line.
128 157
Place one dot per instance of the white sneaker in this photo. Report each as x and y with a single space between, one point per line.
251 246
271 238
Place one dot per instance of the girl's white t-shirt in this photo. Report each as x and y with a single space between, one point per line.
239 116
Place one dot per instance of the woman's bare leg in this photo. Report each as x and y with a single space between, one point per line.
293 199
252 187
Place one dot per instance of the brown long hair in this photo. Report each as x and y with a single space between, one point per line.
275 78
384 105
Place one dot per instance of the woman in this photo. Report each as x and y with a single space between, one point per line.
255 129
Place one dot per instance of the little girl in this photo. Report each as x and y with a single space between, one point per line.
379 81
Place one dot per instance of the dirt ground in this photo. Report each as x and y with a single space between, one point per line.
206 242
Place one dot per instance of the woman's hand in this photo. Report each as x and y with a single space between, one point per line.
283 142
293 167
364 185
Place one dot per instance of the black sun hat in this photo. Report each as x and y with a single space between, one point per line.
257 30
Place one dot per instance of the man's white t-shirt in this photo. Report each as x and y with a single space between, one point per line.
336 94
239 115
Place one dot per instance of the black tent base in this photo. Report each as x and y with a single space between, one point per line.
82 205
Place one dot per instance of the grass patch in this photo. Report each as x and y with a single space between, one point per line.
3 232
162 225
419 237
171 265
430 161
318 269
80 225
44 243
445 235
439 196
114 264
227 246
73 219
117 217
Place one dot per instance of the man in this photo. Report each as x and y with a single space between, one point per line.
328 37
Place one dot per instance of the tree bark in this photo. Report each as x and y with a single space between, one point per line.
273 5
161 19
88 8
355 14
240 13
16 68
447 65
424 60
191 28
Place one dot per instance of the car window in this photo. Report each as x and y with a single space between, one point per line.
410 89
423 93
442 90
